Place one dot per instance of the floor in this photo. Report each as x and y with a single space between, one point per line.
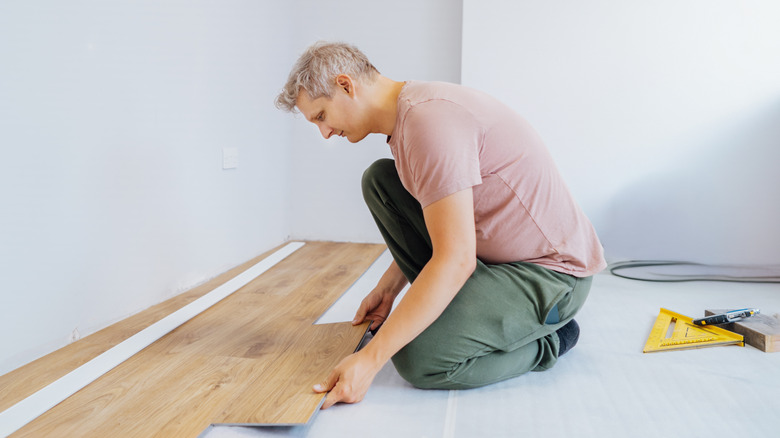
605 386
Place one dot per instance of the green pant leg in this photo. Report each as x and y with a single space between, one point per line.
398 216
494 328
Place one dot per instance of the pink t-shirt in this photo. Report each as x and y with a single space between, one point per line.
448 138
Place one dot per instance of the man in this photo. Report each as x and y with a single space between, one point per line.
476 216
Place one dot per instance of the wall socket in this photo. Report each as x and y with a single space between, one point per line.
229 158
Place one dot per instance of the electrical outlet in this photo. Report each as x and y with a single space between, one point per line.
229 158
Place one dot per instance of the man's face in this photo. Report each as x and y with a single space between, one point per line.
339 115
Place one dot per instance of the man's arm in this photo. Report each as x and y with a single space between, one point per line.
450 223
379 302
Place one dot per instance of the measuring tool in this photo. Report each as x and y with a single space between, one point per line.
673 331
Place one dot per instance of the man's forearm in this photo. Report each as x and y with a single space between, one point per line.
393 280
435 287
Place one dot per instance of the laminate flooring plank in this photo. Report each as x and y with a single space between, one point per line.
121 402
286 386
249 359
28 379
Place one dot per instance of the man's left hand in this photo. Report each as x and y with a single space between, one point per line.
349 381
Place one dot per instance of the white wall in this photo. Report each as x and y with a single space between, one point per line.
404 39
663 116
113 116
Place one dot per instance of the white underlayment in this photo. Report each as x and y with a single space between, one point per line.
344 309
604 387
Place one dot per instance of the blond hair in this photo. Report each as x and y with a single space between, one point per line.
316 70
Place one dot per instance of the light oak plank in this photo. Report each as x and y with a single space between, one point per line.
286 386
37 404
251 358
24 381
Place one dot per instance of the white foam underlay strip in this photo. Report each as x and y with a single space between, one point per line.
450 418
345 307
36 404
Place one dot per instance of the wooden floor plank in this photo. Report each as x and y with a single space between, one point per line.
286 387
251 358
24 381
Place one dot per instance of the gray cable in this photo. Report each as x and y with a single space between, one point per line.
727 273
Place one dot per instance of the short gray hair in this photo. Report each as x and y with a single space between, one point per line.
317 68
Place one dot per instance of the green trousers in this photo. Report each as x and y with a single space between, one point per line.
500 325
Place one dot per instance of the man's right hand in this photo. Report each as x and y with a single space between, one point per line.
376 306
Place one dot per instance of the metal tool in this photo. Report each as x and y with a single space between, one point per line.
725 318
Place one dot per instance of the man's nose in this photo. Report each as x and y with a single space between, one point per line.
325 131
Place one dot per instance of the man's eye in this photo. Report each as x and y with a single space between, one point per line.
320 117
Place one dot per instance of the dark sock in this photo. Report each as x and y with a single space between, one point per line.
568 336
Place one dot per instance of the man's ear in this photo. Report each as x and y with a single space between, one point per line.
345 83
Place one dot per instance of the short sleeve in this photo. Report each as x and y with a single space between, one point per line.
441 148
